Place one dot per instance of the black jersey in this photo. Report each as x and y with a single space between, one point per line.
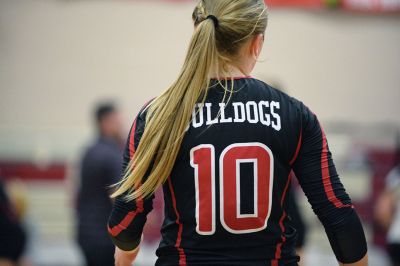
225 200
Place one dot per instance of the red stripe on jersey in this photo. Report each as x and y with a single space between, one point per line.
326 178
127 220
297 148
286 188
132 148
116 230
281 225
182 256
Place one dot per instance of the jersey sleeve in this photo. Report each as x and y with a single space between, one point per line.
127 219
320 181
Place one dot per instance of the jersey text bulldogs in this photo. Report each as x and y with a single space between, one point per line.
264 112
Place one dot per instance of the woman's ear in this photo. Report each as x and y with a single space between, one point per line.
256 45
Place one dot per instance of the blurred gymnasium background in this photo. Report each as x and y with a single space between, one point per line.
59 58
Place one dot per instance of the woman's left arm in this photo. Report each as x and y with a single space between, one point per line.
125 258
127 219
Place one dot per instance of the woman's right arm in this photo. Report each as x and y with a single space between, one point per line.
317 176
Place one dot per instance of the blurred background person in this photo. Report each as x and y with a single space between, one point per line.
12 234
100 168
388 210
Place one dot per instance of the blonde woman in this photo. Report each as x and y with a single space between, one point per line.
222 145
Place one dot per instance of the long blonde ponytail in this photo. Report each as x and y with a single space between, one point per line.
212 49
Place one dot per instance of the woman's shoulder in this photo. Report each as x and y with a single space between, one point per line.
293 107
145 107
276 92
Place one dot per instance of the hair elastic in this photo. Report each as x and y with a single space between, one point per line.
214 19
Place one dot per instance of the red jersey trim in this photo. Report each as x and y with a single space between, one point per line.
297 148
326 178
132 148
127 220
182 256
281 225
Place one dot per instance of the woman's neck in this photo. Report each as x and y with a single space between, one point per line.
232 72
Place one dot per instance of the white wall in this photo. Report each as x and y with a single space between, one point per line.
57 58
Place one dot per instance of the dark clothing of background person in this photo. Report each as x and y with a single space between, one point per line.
12 235
100 168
